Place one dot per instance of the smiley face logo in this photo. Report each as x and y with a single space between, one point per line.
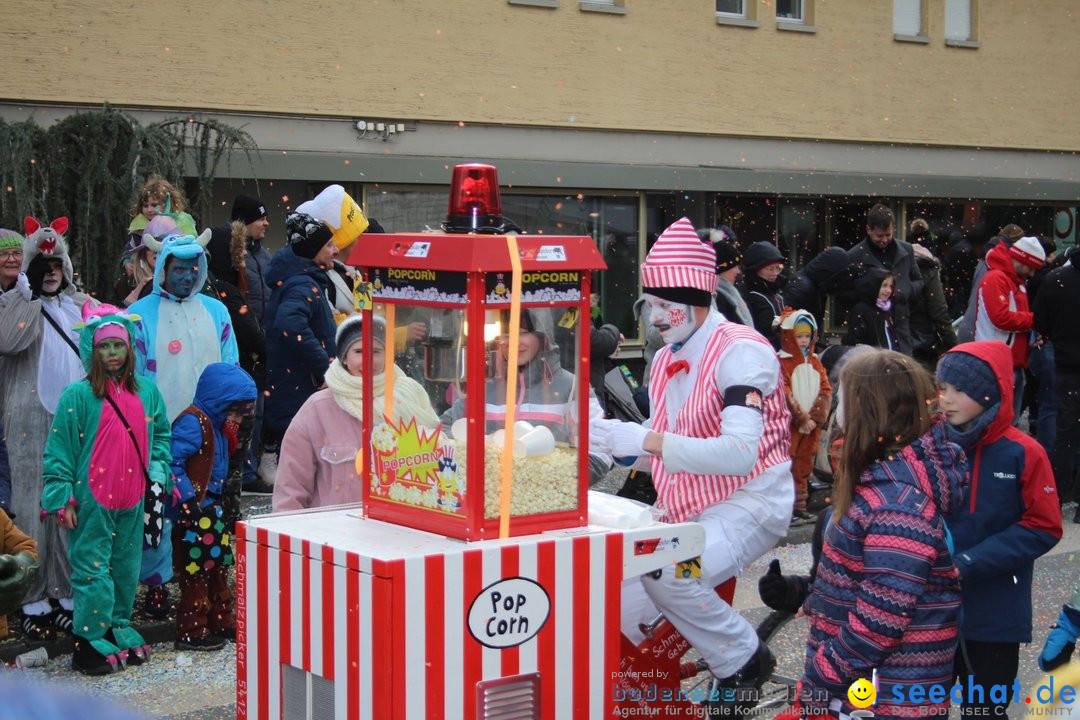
862 694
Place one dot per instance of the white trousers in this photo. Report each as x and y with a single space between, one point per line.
737 532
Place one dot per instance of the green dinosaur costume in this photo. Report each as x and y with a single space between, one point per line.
92 464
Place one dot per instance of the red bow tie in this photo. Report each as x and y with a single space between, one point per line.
678 366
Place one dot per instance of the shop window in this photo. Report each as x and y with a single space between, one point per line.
909 21
800 230
737 12
960 20
752 218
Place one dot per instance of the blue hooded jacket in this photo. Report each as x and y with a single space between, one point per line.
220 386
1011 515
300 334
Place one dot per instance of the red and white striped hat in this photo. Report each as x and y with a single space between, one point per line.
1027 250
680 260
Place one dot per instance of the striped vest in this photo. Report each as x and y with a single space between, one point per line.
685 495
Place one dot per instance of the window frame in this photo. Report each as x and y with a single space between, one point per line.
972 40
923 36
611 7
806 23
747 18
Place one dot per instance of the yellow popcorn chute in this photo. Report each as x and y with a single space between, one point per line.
511 386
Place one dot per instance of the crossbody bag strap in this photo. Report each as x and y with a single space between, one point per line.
131 434
62 334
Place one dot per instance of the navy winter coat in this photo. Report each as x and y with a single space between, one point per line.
1010 516
300 334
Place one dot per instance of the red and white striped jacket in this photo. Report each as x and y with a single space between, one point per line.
685 495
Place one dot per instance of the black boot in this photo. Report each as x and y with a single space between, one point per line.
89 661
741 691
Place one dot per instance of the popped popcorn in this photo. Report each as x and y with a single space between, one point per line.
544 484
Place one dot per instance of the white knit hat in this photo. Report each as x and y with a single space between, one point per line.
680 260
1028 250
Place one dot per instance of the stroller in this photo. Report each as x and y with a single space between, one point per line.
623 393
834 357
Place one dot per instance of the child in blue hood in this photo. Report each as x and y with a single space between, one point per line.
204 437
1009 517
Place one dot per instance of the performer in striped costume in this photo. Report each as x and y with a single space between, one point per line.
718 448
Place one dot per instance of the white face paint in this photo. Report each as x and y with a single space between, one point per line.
675 321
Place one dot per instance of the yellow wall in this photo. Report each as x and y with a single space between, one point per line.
665 65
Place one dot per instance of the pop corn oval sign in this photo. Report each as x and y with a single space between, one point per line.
509 612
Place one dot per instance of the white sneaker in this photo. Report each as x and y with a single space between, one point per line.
268 468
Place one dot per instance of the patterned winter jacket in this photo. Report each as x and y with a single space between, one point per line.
887 595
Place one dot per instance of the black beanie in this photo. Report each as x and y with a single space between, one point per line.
247 209
970 375
760 254
727 256
306 235
689 296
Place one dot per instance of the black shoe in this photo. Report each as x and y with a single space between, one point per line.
754 673
62 620
229 635
89 661
37 628
203 644
157 604
258 487
1076 515
801 517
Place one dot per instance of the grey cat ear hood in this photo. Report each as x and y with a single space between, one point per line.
47 240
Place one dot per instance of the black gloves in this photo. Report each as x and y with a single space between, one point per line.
785 593
16 574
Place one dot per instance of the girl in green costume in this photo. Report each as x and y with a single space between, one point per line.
110 438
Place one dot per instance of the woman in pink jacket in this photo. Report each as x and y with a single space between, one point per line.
318 453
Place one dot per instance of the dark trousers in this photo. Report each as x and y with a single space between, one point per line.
1067 441
987 664
206 604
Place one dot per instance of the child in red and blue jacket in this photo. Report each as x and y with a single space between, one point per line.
204 437
1010 515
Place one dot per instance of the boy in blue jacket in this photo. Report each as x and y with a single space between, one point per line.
204 437
1010 517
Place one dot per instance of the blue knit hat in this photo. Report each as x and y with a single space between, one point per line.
971 376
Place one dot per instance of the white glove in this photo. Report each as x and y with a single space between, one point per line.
599 431
627 439
22 286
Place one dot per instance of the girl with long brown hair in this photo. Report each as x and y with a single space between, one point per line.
886 601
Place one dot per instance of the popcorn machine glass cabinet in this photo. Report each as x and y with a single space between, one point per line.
545 463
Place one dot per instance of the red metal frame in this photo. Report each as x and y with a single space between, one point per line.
476 256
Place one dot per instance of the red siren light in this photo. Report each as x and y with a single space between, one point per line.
475 205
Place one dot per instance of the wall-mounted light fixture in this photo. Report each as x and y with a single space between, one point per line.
381 129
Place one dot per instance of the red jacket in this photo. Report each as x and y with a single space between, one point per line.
1002 311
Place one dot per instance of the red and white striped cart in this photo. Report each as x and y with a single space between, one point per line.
341 616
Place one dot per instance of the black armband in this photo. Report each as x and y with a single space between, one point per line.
743 396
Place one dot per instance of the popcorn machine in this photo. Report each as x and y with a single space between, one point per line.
470 583
504 347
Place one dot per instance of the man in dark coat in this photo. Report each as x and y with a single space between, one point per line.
880 249
252 213
1055 317
826 274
